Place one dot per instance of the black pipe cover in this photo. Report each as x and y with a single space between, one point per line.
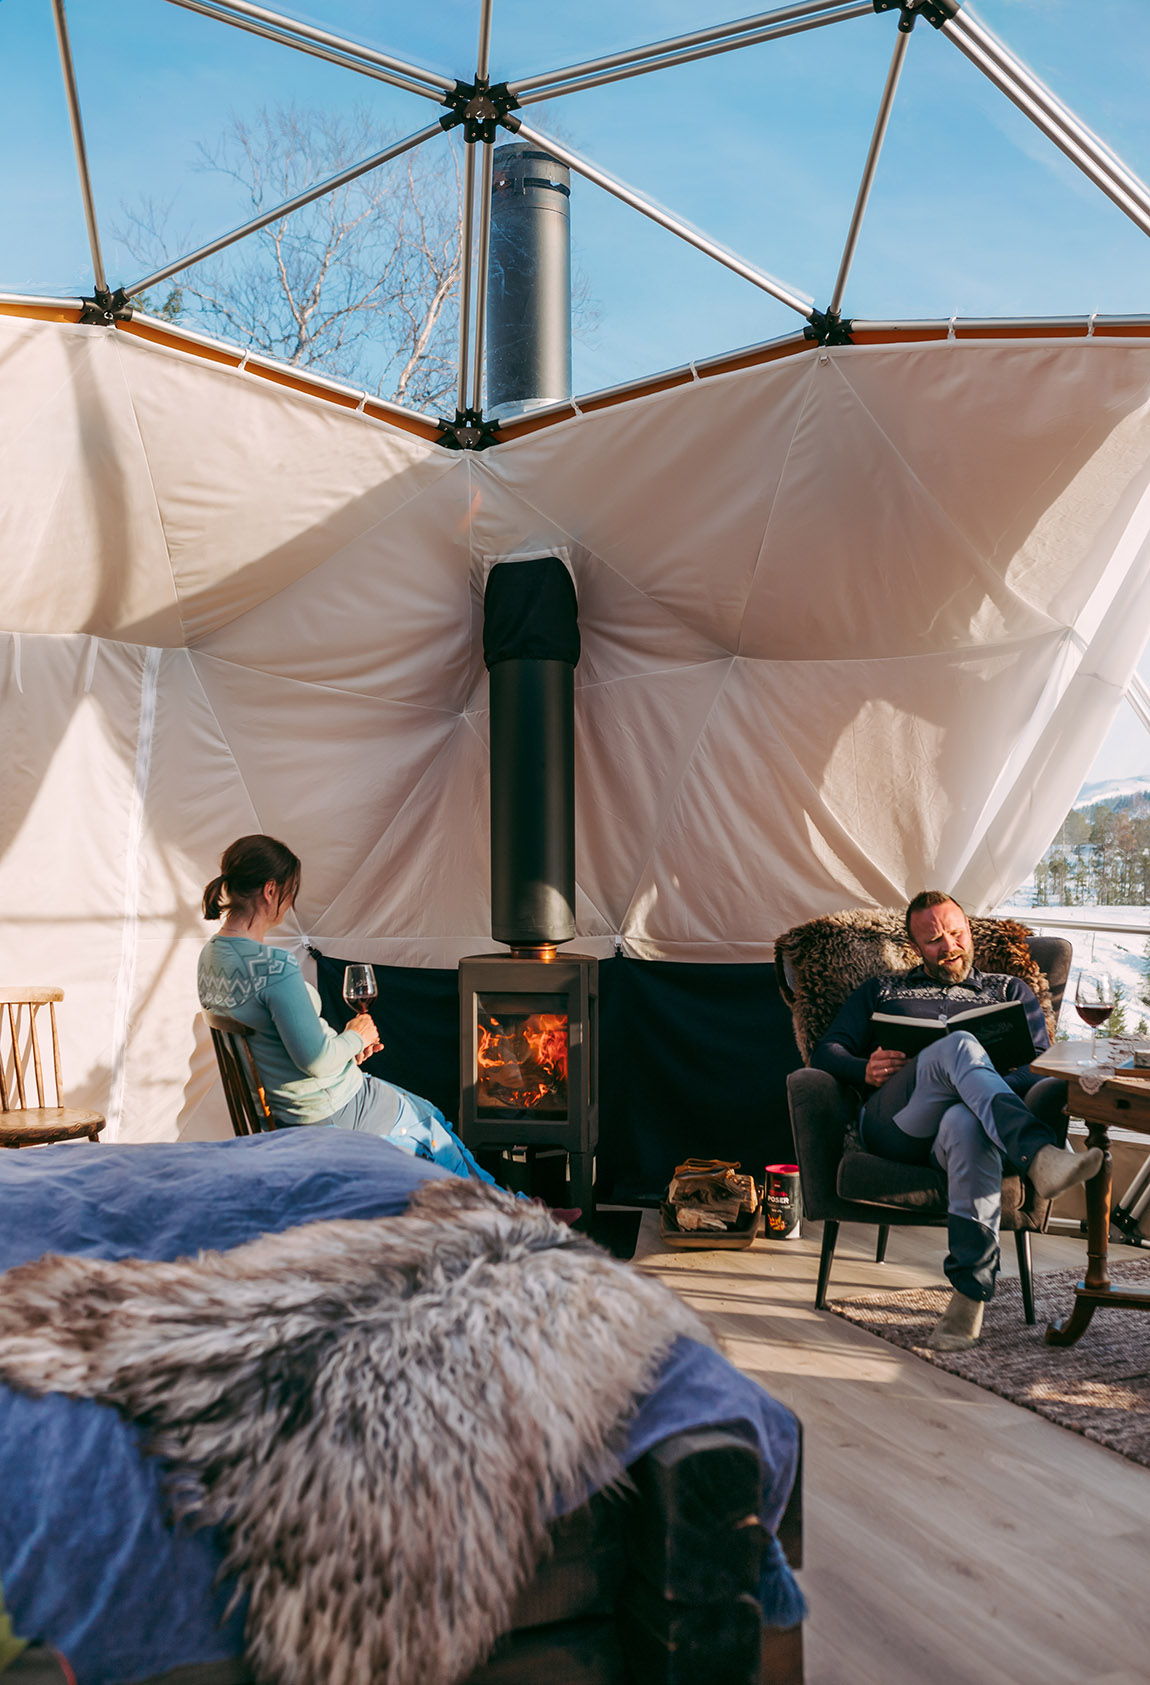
530 613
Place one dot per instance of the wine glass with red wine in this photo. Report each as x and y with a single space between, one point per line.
1094 1000
359 987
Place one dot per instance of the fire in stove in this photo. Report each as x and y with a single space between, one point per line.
522 1063
528 1025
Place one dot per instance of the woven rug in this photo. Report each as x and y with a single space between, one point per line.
1099 1387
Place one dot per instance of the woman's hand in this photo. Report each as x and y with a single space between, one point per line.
364 1026
882 1065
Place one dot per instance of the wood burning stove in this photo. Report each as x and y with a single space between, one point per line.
528 1019
528 1033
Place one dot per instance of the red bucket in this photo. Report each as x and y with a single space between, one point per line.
783 1198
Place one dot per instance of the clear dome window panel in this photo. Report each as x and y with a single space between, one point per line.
193 159
630 322
45 248
528 39
999 223
1067 47
376 263
440 38
747 166
761 149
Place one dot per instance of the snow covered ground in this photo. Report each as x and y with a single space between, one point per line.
1124 954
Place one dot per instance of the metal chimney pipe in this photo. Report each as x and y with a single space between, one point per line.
528 281
531 647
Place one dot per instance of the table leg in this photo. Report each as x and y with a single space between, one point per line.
1098 1191
1064 1331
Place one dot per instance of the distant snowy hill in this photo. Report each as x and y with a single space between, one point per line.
1113 789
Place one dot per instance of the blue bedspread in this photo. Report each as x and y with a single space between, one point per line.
88 1562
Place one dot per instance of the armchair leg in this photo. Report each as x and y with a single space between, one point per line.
880 1244
830 1235
1025 1273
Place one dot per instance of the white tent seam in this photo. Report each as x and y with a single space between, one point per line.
960 651
582 544
461 721
1014 769
191 656
985 567
126 971
673 795
64 387
433 451
817 805
611 931
324 561
933 652
90 658
469 456
998 582
652 673
969 342
813 372
179 607
720 653
317 684
1138 696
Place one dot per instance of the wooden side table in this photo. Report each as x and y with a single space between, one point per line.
1123 1099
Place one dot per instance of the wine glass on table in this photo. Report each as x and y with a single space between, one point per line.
1094 1000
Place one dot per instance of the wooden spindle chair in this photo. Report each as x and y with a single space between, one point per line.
243 1090
26 1118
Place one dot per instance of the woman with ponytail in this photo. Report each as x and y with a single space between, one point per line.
310 1072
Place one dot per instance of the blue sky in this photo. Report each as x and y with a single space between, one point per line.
973 212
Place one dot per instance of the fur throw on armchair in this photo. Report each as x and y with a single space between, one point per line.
820 963
383 1416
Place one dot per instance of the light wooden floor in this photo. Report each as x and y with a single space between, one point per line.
951 1538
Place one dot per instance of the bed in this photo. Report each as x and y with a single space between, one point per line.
90 1564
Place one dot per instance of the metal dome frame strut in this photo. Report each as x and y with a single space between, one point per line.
479 109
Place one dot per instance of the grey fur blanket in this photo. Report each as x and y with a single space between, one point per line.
383 1415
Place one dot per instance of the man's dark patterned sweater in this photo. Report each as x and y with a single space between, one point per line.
849 1042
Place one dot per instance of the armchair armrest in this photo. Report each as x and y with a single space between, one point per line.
822 1111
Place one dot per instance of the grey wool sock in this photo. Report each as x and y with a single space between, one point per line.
1054 1169
959 1325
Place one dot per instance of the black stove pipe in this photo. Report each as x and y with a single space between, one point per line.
531 648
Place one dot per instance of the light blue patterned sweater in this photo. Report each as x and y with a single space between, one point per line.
308 1071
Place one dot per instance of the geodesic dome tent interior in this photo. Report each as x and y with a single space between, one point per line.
857 608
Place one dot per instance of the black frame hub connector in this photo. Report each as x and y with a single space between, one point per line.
936 12
481 109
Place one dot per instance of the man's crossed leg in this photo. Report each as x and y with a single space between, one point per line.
950 1107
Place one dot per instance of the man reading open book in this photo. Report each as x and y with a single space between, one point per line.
947 1105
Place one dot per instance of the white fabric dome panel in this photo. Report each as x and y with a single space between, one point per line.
852 621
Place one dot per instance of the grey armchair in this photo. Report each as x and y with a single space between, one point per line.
819 964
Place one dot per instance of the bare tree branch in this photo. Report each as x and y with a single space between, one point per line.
362 283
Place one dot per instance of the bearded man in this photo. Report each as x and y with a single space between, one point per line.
948 1106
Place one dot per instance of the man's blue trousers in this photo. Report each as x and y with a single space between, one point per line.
949 1107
